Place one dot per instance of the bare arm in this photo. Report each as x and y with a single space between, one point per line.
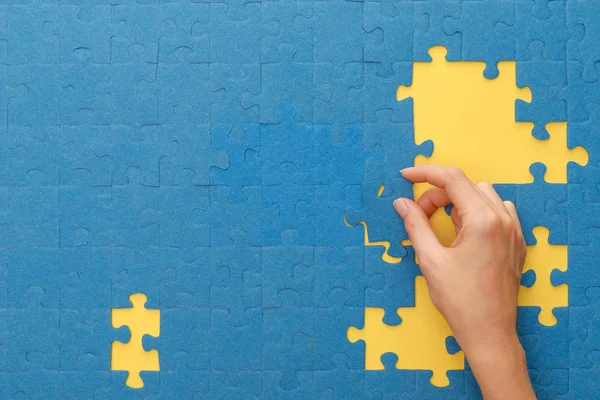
474 283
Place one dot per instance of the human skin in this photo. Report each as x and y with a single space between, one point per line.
475 282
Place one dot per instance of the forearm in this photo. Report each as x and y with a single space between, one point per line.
501 370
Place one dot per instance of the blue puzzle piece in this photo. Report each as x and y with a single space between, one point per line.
541 75
135 271
339 156
288 331
487 29
288 142
392 147
229 119
330 204
236 272
183 25
578 93
385 39
288 267
582 214
580 15
133 31
85 338
584 330
341 382
378 213
583 381
399 287
380 384
241 214
332 268
36 384
118 390
86 381
332 106
585 133
341 42
36 35
134 221
424 388
243 148
295 205
33 337
533 200
184 383
550 384
185 278
582 272
528 278
429 28
183 342
85 270
225 385
297 90
331 324
83 100
288 15
379 93
548 27
236 33
232 342
546 347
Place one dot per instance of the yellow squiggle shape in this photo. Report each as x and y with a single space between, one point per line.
386 245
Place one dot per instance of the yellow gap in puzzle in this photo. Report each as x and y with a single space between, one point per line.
419 340
131 356
471 121
543 258
386 245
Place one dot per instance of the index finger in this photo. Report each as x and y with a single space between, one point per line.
461 191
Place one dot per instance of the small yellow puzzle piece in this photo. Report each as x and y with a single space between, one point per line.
131 356
419 341
543 258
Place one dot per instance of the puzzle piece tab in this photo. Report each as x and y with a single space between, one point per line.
419 341
131 356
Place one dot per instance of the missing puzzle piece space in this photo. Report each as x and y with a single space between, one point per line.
131 356
419 341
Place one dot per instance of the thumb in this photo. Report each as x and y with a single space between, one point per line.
418 228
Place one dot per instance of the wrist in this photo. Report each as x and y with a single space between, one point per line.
500 367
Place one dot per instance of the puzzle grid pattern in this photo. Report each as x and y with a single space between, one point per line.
204 154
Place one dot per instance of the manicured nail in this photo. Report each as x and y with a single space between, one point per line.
400 206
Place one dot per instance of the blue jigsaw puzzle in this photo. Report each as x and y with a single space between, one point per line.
211 155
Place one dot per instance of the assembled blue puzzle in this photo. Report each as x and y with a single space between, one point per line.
234 163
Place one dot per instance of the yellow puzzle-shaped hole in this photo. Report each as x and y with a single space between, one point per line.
471 121
419 340
543 258
131 356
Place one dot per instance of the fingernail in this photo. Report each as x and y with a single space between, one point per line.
400 206
405 170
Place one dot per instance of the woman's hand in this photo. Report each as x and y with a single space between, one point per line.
475 282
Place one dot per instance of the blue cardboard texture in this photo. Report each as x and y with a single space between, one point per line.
210 156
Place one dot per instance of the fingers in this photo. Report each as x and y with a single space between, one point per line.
461 191
433 199
418 228
512 211
489 191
